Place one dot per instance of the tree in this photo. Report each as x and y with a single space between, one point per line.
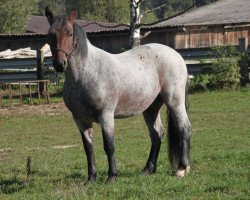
14 14
104 10
135 20
58 6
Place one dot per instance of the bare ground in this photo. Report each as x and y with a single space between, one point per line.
42 109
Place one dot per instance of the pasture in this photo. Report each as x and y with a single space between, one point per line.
48 135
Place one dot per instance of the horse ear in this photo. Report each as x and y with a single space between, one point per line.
72 16
49 15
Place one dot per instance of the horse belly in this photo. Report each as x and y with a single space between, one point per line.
135 100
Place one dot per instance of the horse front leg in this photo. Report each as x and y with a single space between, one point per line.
86 131
153 121
87 139
106 121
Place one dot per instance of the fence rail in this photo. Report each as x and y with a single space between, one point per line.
24 69
24 91
27 69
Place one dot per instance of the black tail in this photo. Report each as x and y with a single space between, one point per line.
174 140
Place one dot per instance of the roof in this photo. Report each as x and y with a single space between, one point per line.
220 12
39 24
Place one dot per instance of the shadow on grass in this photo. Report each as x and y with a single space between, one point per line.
75 176
101 176
12 185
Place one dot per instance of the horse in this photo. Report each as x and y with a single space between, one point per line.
100 86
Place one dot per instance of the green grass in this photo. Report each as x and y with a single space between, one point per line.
220 155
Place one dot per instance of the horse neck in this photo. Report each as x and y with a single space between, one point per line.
78 58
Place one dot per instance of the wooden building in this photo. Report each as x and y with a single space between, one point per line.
218 24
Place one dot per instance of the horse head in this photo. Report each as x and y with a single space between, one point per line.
61 38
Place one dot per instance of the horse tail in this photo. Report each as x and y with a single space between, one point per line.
174 140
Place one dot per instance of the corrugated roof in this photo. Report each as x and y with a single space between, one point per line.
39 24
220 12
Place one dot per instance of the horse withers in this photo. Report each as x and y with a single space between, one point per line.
100 87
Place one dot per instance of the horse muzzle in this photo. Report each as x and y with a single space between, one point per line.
60 66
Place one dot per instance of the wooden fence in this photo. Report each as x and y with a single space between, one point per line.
28 91
25 69
40 68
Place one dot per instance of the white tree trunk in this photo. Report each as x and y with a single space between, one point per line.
135 20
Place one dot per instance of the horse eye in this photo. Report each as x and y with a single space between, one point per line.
71 34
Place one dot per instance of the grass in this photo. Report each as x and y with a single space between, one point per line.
220 155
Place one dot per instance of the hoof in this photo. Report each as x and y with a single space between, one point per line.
149 169
182 172
110 179
91 179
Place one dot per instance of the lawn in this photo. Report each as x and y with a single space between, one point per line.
220 154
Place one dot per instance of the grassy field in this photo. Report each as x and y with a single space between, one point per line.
220 154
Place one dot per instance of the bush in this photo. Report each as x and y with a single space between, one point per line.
224 71
199 83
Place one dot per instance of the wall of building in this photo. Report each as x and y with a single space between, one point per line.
198 38
119 41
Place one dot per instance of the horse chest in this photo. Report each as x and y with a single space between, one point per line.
79 104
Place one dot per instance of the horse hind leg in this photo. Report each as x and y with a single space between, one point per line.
106 120
179 133
179 127
153 121
179 140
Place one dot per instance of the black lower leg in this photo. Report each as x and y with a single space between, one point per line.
109 148
185 158
88 147
153 156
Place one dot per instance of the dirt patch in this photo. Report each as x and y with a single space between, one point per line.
4 154
42 109
64 146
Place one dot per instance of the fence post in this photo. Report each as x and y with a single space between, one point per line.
243 44
40 68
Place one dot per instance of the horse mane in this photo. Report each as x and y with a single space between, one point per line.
81 39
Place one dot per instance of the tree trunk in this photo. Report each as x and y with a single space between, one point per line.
135 20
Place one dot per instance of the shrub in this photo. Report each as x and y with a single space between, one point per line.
224 71
199 83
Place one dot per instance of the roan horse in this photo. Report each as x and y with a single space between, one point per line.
100 86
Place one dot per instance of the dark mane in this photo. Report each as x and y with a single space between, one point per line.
81 39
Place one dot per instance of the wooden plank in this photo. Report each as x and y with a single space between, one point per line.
200 61
7 64
24 76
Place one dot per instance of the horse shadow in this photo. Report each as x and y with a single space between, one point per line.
102 175
12 185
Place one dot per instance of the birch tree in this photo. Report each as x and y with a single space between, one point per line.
136 16
135 21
